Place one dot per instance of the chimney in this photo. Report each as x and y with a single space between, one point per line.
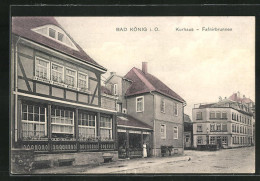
144 67
112 73
220 98
238 94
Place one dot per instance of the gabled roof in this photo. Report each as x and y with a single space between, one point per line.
22 26
129 121
145 82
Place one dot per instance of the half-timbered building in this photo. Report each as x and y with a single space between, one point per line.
57 105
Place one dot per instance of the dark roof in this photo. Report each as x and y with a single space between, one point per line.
105 90
145 82
127 120
22 26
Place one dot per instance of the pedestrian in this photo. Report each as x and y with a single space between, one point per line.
144 151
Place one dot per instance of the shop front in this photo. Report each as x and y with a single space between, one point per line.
134 138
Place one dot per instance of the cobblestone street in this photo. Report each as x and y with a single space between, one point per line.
239 160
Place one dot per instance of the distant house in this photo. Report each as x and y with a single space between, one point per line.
57 109
225 123
188 132
147 99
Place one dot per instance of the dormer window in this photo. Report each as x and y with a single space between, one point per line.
55 33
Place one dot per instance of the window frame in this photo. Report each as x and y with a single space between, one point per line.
200 116
162 106
87 80
84 126
115 89
140 97
63 124
210 113
76 77
218 112
224 112
107 128
177 134
176 109
212 130
164 131
48 67
199 140
55 70
34 122
199 125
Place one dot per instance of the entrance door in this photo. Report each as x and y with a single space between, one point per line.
219 143
122 144
147 141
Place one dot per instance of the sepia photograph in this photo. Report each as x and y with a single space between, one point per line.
132 95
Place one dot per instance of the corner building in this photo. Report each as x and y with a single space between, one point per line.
57 106
226 123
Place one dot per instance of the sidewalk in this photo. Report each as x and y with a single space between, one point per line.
113 167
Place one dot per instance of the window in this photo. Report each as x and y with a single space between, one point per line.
42 68
212 115
199 128
199 140
52 33
233 140
224 140
106 128
62 121
140 104
163 131
56 34
60 37
115 89
175 133
175 109
241 129
199 116
224 115
71 77
83 81
224 127
218 115
212 140
187 138
87 125
212 127
237 117
56 73
233 128
119 107
218 127
162 106
233 116
34 121
237 128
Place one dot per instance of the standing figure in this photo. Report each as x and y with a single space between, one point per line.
144 151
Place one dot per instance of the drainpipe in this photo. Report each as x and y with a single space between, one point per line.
16 90
183 139
154 114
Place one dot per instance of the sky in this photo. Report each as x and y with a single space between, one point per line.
198 65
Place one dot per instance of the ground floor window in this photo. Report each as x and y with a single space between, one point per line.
62 122
199 140
106 127
87 125
224 140
34 121
212 140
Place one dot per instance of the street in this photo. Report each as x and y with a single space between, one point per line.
239 160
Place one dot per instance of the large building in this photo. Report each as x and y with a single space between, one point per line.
226 123
57 106
158 112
